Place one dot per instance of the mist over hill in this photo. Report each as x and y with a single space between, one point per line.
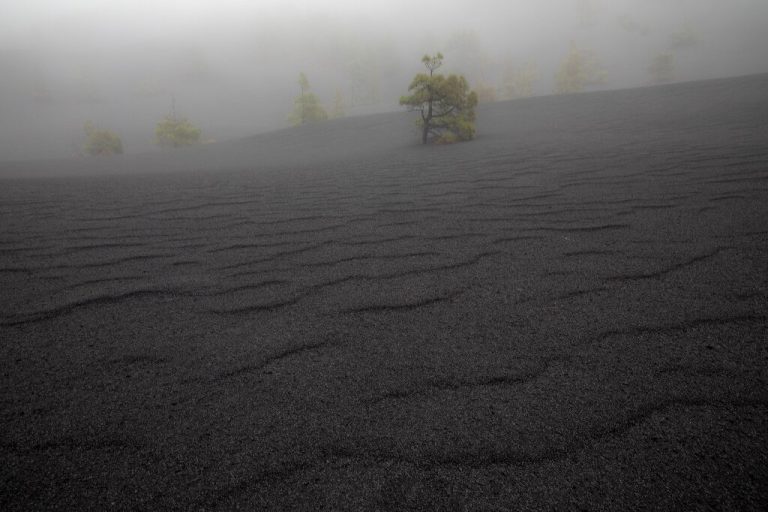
534 126
232 66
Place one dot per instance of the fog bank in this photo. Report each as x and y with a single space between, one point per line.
232 66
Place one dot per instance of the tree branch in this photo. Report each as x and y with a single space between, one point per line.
447 112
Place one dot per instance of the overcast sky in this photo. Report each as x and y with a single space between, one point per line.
232 64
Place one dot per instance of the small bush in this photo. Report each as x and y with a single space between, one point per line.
101 142
173 132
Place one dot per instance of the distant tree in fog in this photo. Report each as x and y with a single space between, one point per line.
446 104
338 109
101 142
517 82
370 65
307 107
365 77
176 132
662 69
579 70
486 93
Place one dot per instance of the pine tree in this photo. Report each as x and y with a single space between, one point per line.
446 104
518 82
578 70
307 107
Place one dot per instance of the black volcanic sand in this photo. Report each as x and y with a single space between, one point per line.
568 312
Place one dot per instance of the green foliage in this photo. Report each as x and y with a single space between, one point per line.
101 142
662 69
432 62
307 107
174 132
446 104
578 70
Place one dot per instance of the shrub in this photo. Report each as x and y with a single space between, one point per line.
101 142
173 132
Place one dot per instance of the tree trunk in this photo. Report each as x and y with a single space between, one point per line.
427 121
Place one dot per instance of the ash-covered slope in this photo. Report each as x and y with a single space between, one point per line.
567 313
337 140
676 113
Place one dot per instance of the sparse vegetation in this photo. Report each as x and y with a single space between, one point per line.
173 132
446 104
518 82
101 142
307 107
579 70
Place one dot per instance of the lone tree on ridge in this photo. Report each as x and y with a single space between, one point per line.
446 104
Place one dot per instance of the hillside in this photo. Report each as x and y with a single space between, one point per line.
544 124
568 312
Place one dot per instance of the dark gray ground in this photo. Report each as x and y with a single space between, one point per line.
568 312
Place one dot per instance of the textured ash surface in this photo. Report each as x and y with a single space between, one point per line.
568 312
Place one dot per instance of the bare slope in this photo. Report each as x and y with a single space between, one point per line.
569 312
677 113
